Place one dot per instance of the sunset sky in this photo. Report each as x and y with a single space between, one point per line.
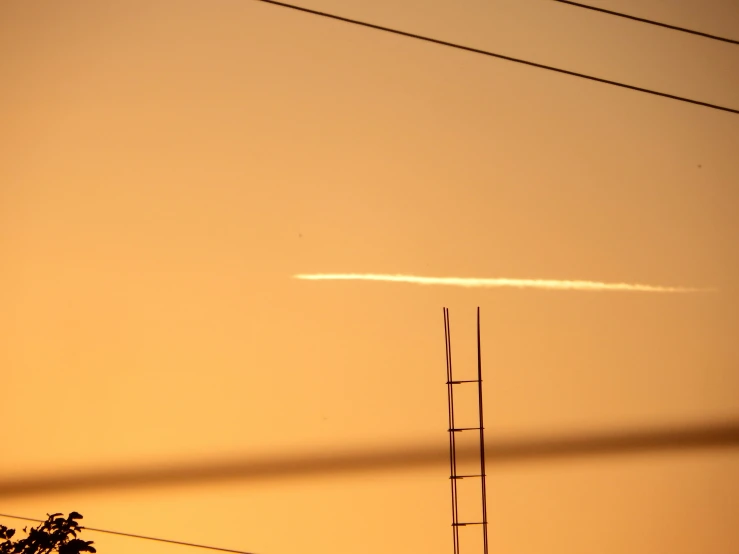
168 166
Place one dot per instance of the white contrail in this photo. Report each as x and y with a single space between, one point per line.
548 284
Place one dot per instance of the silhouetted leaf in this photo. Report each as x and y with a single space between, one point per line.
51 536
75 546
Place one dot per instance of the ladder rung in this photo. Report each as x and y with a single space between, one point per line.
468 523
463 476
456 429
464 381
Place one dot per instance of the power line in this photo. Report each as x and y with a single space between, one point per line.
181 543
495 55
706 436
649 21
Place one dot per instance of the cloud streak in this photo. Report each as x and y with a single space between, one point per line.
472 282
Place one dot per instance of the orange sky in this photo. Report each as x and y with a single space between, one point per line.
167 166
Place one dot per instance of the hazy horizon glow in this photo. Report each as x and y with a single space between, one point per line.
475 282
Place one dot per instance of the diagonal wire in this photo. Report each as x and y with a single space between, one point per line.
707 436
499 56
131 535
649 21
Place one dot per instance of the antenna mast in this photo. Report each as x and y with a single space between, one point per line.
454 476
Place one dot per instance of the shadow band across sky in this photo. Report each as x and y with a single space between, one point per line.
311 464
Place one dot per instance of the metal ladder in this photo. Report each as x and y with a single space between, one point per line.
454 476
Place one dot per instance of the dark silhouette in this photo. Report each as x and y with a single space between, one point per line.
56 534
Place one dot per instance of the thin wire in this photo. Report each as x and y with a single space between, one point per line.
499 56
181 543
482 440
452 445
649 21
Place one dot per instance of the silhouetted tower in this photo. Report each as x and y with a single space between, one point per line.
454 476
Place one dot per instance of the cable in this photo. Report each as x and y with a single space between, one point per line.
138 536
500 56
649 21
706 437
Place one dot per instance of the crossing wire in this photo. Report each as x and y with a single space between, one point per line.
648 21
496 55
131 535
